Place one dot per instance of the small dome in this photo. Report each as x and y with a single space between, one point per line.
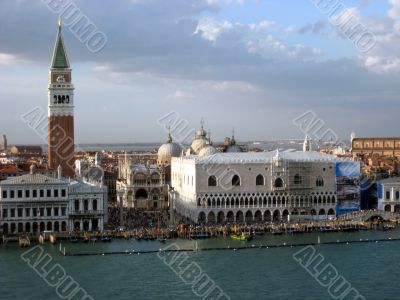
167 151
198 144
208 150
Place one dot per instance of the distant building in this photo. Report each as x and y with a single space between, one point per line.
379 146
3 143
389 194
26 150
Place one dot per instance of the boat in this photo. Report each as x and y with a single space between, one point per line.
106 239
240 237
276 232
74 240
161 240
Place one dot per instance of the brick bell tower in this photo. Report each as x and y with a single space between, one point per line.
61 145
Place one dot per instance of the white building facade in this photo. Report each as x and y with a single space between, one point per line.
87 206
389 195
254 187
35 203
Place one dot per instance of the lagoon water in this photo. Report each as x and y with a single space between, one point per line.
371 268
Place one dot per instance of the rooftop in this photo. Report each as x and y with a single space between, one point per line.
263 157
32 179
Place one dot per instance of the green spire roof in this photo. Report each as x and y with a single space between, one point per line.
60 59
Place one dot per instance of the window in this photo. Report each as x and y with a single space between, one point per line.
297 179
41 193
85 205
55 193
95 204
4 194
387 195
48 193
76 205
260 180
63 193
278 183
320 182
34 192
12 194
235 180
48 211
19 211
56 211
27 193
5 213
12 212
19 193
63 211
27 212
41 212
212 181
397 195
34 212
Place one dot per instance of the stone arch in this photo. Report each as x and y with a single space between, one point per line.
285 215
278 183
220 217
239 217
249 217
230 217
331 212
27 227
201 217
211 217
276 216
388 208
258 216
141 194
267 216
322 212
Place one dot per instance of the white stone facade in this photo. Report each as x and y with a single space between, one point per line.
35 203
389 195
254 187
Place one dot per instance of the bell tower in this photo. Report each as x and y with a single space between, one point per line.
61 144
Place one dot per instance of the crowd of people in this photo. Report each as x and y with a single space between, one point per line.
133 218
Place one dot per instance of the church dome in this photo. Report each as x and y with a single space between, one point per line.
198 144
167 151
208 150
200 141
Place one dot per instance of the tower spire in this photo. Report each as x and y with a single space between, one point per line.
60 58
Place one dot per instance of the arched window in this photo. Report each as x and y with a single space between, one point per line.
94 204
297 179
235 180
320 182
260 180
278 183
212 181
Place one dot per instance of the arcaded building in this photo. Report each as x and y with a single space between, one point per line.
254 187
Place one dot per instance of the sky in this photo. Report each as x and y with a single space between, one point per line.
254 66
